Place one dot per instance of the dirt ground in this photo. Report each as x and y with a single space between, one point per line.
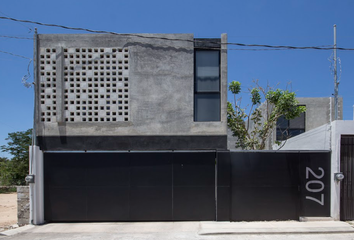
8 210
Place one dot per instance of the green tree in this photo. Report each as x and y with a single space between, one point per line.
14 171
253 128
6 173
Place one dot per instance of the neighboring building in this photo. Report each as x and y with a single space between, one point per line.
319 111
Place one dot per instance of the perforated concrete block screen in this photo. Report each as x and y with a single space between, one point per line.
94 84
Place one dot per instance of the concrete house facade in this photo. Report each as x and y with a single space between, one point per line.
133 127
121 99
131 92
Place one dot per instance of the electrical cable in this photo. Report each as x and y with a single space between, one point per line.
93 31
27 76
254 49
323 47
16 55
279 47
284 47
30 29
4 36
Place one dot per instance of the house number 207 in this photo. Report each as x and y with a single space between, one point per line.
315 186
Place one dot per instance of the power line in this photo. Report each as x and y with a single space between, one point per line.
259 49
30 29
4 36
93 31
275 49
27 76
16 55
284 47
279 47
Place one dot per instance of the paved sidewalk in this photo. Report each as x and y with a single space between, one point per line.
275 227
49 231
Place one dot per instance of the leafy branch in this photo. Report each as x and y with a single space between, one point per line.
252 130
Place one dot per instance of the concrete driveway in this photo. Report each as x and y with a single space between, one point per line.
185 230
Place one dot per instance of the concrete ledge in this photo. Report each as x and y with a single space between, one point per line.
16 230
200 228
315 219
287 227
124 143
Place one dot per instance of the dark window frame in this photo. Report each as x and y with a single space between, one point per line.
200 93
284 133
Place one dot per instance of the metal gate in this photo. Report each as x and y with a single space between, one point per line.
347 188
273 185
144 186
186 186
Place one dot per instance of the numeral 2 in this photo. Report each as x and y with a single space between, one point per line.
316 176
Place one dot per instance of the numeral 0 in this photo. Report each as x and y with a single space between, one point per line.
314 182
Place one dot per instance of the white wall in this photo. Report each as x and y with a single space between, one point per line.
339 128
315 139
36 188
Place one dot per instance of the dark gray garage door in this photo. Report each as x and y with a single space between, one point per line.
144 186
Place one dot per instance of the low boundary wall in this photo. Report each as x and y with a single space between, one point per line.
23 205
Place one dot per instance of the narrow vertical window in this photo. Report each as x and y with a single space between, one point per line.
207 86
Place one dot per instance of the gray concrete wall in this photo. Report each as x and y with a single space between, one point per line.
23 205
320 111
160 94
231 140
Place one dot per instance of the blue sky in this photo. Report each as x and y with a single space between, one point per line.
277 22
